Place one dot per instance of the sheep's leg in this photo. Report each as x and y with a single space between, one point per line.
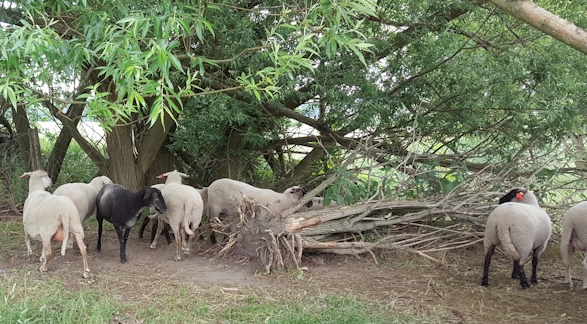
47 253
42 257
177 232
83 250
584 272
516 271
160 225
523 281
142 229
189 240
566 256
122 238
154 228
488 254
27 240
70 240
534 278
167 236
184 241
99 246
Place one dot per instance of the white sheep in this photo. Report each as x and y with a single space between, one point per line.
574 238
184 211
522 228
223 193
47 218
83 196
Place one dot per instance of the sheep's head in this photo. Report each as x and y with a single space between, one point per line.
38 174
154 198
173 176
519 195
298 194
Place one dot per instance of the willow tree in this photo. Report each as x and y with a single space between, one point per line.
133 65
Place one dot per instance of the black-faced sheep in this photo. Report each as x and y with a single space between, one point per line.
574 238
123 208
224 193
47 218
184 211
83 196
522 228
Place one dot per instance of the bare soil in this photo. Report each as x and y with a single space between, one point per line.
396 282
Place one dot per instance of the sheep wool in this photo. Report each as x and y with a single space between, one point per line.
522 228
184 211
574 238
47 218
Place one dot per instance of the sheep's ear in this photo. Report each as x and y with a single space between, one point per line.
148 193
161 176
183 175
26 175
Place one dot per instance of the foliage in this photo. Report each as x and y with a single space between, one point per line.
448 89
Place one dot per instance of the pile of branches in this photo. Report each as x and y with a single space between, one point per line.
277 242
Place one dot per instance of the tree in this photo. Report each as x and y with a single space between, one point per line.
135 65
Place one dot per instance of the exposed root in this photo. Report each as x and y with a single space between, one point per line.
256 235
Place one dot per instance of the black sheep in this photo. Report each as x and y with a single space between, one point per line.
123 208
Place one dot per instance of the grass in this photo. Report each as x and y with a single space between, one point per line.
38 301
11 236
26 300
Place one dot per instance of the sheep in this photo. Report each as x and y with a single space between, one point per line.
223 193
185 208
521 227
48 217
574 238
83 196
123 208
153 215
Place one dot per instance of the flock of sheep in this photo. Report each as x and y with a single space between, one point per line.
518 223
58 217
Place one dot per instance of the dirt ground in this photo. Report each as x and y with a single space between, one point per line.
397 282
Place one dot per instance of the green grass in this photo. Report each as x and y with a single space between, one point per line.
25 301
38 301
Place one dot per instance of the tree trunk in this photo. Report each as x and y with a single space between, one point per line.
123 155
164 162
62 143
22 125
36 161
231 166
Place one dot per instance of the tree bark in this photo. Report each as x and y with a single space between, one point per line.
36 161
22 125
545 21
